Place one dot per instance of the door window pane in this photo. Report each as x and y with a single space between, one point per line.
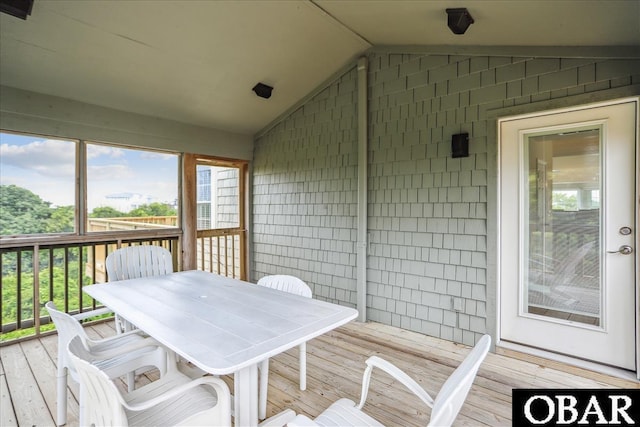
131 189
37 184
562 272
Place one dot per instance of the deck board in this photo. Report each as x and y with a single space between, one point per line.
7 414
30 407
44 371
335 364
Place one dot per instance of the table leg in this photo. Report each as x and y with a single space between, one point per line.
245 396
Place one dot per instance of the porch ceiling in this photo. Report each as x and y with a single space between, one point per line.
196 61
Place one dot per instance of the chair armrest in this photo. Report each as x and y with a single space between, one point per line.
279 420
395 372
137 361
107 342
214 382
132 332
87 314
101 351
302 421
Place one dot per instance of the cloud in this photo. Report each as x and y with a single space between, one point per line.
109 173
50 157
96 150
155 155
47 167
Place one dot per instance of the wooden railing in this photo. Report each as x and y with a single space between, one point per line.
221 252
34 272
67 263
131 223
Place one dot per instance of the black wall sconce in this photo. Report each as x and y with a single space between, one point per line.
460 145
459 20
262 90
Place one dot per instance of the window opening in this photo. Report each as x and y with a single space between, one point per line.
37 184
131 189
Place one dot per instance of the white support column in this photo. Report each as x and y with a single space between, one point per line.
361 255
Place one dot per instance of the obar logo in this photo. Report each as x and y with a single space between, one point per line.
571 407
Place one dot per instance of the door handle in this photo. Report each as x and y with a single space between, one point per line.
624 250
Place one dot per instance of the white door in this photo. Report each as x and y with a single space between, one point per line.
567 231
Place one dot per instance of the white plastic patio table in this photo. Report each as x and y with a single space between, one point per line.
222 325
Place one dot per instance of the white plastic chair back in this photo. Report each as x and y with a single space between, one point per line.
173 400
292 285
67 328
127 353
285 283
454 391
133 262
103 404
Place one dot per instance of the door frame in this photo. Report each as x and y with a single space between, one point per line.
191 235
493 226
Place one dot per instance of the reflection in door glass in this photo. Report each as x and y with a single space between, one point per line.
562 269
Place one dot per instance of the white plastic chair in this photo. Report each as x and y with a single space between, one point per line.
118 355
295 286
175 399
132 262
444 408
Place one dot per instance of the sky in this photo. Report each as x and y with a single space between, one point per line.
46 167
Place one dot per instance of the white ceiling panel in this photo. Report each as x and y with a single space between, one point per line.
196 61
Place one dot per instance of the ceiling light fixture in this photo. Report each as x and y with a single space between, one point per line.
18 8
459 20
262 90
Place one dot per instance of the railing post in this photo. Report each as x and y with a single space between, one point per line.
19 288
189 212
218 253
36 288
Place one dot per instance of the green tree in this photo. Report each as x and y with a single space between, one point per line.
564 201
106 212
153 209
62 220
22 212
65 285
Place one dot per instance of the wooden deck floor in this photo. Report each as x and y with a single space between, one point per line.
334 369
